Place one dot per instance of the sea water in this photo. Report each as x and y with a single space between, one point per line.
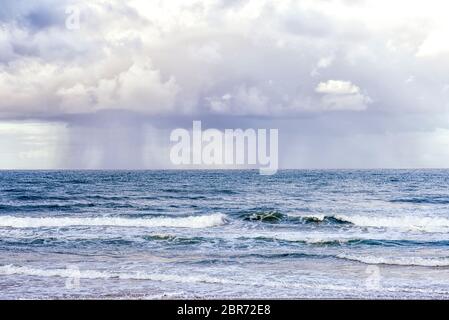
224 234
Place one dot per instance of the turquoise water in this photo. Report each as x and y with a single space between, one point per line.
224 234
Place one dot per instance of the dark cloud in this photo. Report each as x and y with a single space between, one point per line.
231 64
34 15
42 18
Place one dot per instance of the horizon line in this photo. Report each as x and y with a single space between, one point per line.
230 169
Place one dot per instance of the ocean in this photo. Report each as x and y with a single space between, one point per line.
224 234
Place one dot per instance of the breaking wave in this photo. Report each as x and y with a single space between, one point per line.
409 223
94 274
185 222
399 261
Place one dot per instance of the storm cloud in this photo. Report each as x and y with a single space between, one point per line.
348 83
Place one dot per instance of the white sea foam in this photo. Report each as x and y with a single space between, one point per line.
400 261
311 238
94 274
8 270
409 223
428 224
191 279
185 222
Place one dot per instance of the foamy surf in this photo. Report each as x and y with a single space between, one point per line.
70 273
94 274
399 261
408 223
205 221
303 238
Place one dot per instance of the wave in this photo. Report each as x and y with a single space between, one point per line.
339 240
427 224
72 272
333 241
276 216
104 197
173 239
52 241
399 261
185 222
14 190
317 219
176 240
269 216
323 219
45 207
377 260
409 223
422 200
182 197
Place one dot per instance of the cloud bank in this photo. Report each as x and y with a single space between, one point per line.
320 70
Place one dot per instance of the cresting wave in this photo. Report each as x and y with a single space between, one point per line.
398 261
409 223
317 239
376 260
185 222
276 216
426 224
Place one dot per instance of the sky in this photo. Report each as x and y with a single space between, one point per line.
101 84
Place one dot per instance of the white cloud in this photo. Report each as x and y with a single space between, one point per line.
325 62
350 102
435 44
166 57
337 87
207 53
34 87
244 101
342 95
